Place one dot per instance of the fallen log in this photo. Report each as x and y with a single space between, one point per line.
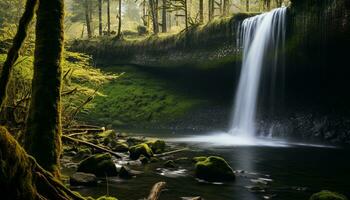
156 190
170 152
89 144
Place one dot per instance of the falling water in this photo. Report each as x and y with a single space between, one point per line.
259 36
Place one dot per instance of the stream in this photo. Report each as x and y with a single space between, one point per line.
284 172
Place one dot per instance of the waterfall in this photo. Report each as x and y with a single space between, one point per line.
260 37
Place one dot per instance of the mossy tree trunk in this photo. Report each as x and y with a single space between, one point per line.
13 53
43 134
247 5
100 17
211 9
154 12
225 7
21 177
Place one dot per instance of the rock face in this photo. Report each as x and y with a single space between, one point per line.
213 168
83 179
140 149
327 195
99 164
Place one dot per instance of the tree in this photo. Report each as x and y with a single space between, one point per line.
16 46
100 31
108 17
226 7
43 133
164 16
88 18
119 18
153 4
179 5
201 11
247 5
211 9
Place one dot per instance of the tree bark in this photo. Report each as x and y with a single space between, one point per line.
13 53
201 11
100 32
186 14
164 15
87 19
43 133
108 17
211 9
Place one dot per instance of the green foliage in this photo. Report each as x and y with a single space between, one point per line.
327 195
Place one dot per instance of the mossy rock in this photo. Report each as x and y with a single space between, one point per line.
327 195
107 134
83 179
106 198
140 149
213 168
83 153
157 146
119 146
169 164
99 164
199 158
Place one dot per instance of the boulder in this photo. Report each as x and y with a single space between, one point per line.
170 164
157 146
140 149
213 168
83 179
327 195
99 164
119 146
125 173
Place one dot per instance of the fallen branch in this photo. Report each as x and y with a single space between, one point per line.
92 145
171 152
89 130
156 190
79 133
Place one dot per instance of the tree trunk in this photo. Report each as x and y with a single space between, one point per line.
211 9
100 32
13 53
154 13
226 7
164 21
43 134
201 12
119 19
108 17
186 14
247 5
21 177
87 19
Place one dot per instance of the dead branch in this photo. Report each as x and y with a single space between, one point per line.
156 190
99 147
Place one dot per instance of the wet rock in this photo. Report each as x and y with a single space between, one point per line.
140 149
125 173
327 195
192 198
99 164
83 153
170 164
119 146
157 146
83 179
144 160
213 168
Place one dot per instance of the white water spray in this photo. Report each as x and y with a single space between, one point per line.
259 37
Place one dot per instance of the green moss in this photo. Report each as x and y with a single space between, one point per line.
106 198
214 168
200 158
327 195
99 164
119 146
157 146
140 149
